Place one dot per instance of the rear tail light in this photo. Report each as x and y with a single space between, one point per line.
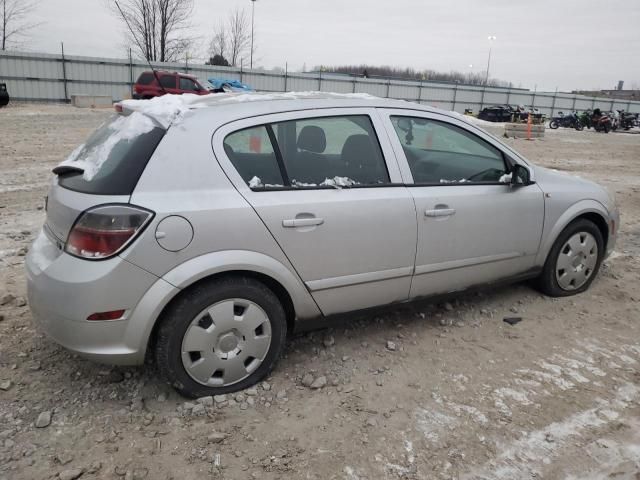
104 231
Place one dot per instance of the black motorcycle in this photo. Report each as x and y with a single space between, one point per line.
4 95
566 121
628 120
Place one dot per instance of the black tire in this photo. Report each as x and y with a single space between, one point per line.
553 124
579 126
547 282
177 318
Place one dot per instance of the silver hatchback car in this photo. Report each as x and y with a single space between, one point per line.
202 229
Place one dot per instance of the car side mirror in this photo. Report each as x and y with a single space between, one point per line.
520 176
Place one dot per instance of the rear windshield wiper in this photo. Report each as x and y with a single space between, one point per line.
63 169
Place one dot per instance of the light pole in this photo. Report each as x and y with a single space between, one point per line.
253 11
491 39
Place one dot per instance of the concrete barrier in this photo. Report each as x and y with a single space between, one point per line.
91 101
519 130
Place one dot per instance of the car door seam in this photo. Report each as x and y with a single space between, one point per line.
263 224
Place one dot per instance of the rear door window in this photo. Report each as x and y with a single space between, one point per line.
111 161
340 151
330 151
253 156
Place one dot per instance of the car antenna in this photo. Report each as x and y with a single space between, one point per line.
155 74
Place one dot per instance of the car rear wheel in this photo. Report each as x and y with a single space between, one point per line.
553 124
574 260
220 337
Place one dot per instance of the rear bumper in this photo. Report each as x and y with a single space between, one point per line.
64 290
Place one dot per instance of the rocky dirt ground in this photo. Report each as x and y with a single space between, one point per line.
421 392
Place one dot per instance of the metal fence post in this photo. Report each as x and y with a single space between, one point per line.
593 103
455 93
553 102
286 71
533 97
64 74
130 73
508 95
320 79
573 107
420 92
484 89
388 87
241 70
354 84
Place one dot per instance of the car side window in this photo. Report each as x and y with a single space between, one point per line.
439 152
252 154
331 151
168 81
187 84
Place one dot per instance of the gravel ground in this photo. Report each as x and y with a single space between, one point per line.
421 392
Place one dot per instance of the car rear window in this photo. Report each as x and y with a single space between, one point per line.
111 161
145 79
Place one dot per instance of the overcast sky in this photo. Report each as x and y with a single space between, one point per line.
566 44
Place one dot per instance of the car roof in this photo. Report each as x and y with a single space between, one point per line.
167 72
226 107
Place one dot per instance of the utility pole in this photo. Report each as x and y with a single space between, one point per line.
253 11
491 39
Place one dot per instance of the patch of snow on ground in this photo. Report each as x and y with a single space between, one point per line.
557 380
521 458
517 395
473 412
432 423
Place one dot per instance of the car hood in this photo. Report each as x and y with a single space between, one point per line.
556 182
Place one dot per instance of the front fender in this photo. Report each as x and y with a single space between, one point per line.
554 229
213 263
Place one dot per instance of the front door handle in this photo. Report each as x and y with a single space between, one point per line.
302 222
440 212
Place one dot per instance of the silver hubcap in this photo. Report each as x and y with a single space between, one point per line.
226 342
576 261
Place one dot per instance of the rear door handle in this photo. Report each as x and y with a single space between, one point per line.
440 212
302 222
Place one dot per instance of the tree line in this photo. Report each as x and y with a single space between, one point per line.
372 71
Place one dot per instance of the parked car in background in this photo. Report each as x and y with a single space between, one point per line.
151 85
220 85
4 95
500 113
203 244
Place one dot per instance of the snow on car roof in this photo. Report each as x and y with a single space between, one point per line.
168 109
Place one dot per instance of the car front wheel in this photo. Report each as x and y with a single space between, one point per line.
574 260
221 336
